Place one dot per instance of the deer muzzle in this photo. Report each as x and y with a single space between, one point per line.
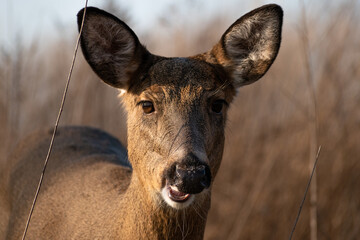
190 176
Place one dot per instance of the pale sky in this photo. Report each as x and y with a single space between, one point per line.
31 19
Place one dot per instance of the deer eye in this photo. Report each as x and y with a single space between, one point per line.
147 106
217 106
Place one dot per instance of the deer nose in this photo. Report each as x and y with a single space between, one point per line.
191 175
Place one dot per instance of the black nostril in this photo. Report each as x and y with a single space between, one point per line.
190 172
192 179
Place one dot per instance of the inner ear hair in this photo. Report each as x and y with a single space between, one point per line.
252 43
249 46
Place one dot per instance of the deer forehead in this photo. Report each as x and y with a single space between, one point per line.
180 72
182 80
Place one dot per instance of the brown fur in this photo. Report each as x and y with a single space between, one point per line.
90 191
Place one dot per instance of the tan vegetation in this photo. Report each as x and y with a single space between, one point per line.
265 165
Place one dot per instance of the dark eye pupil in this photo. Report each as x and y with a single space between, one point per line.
148 107
217 106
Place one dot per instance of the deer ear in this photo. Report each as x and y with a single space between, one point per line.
110 47
250 45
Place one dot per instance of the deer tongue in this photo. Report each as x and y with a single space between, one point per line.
178 196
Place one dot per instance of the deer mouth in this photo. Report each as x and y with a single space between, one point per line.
176 195
175 198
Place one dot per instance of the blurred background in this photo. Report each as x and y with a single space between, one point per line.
309 97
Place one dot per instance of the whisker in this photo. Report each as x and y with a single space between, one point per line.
221 87
203 218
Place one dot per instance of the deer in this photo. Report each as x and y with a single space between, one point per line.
160 186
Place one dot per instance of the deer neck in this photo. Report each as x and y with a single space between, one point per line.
144 217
